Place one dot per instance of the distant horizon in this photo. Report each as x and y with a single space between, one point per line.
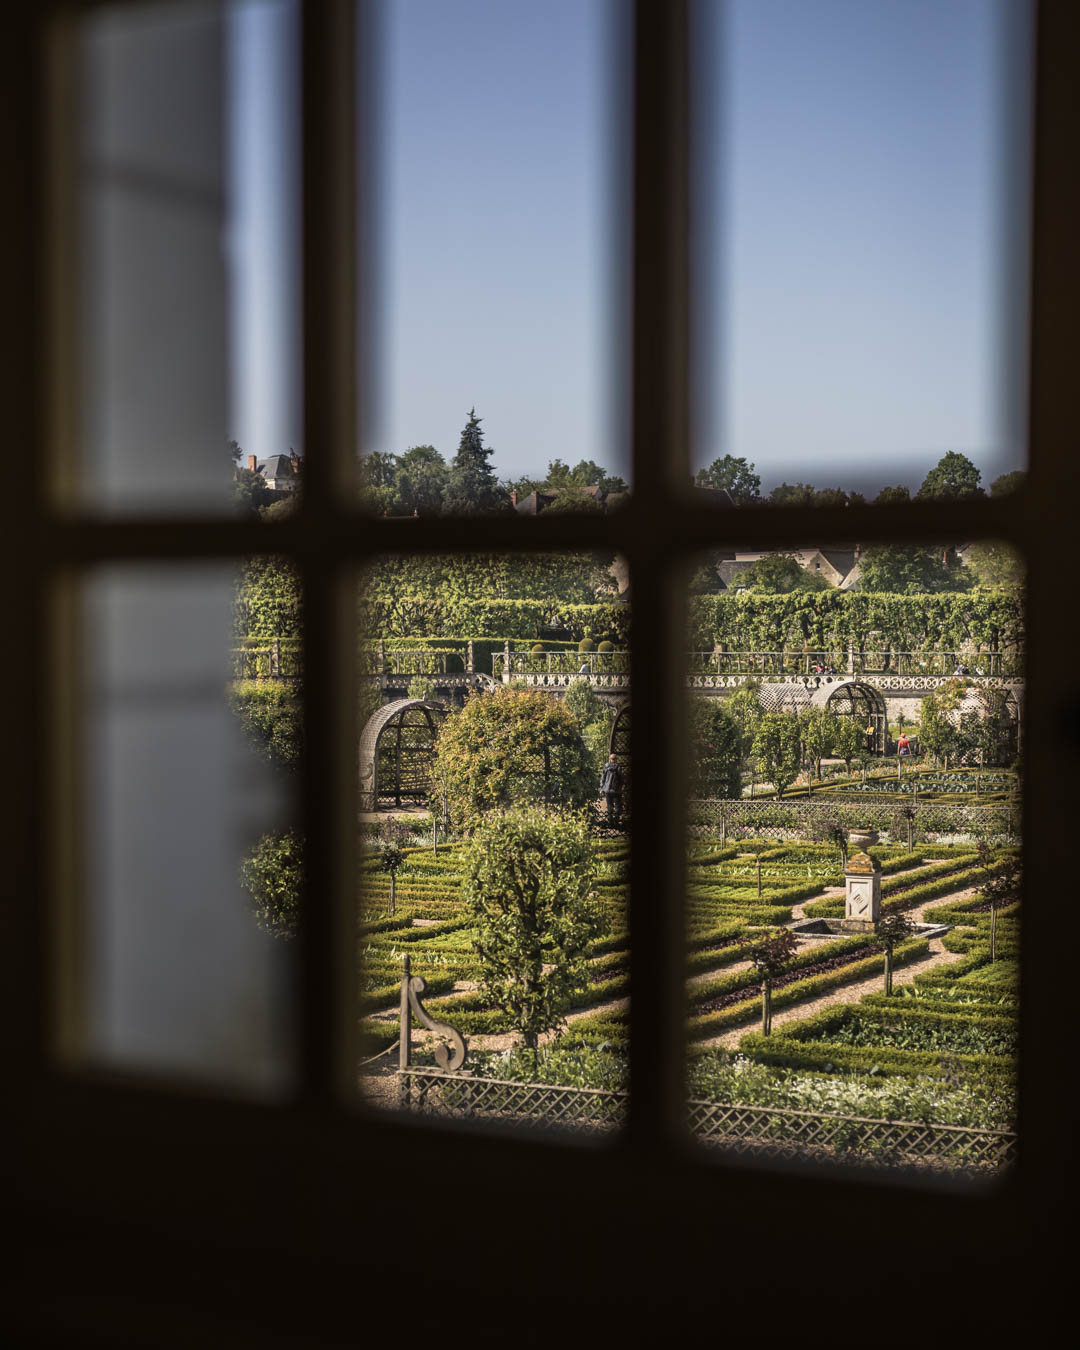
868 487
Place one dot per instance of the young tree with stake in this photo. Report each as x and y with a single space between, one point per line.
892 930
771 958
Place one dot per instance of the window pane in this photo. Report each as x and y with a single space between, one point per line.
187 874
493 846
184 212
497 258
854 855
861 245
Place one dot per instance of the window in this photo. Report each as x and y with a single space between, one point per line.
120 1181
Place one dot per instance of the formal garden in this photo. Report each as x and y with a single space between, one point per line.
493 875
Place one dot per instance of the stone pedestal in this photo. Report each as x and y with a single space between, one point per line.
862 899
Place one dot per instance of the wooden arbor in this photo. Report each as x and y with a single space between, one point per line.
397 748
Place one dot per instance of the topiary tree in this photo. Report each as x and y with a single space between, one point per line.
392 856
528 885
514 746
890 932
1001 886
770 958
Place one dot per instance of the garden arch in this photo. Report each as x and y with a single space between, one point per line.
397 750
863 703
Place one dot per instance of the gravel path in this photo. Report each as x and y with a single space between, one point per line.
848 993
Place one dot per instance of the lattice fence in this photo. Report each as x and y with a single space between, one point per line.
782 1133
804 819
544 1106
749 1130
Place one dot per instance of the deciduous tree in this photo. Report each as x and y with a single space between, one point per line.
952 478
736 475
777 749
715 767
528 885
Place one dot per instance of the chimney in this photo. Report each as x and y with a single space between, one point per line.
513 498
251 463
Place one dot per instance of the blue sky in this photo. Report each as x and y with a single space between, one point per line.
854 254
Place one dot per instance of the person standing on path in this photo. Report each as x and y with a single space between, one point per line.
611 787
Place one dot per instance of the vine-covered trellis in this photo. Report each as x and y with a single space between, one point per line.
969 621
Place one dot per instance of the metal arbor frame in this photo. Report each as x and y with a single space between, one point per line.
93 1203
412 727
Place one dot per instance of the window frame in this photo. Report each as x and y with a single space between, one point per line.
116 1178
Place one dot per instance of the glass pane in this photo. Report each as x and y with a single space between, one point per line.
861 248
493 846
188 873
854 855
183 251
498 239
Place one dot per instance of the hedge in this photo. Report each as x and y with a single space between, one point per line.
711 1023
784 1052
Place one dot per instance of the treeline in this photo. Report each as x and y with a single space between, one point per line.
421 482
953 478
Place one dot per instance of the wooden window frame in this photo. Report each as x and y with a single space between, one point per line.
282 1213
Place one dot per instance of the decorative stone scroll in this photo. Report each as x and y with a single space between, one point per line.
450 1052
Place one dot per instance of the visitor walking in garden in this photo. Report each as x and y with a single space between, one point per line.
611 787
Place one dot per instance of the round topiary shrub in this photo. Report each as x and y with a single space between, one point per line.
512 747
586 645
606 647
537 649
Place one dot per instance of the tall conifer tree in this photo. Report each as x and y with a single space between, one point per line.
472 486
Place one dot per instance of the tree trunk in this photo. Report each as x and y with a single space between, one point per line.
766 1008
888 972
993 933
393 901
